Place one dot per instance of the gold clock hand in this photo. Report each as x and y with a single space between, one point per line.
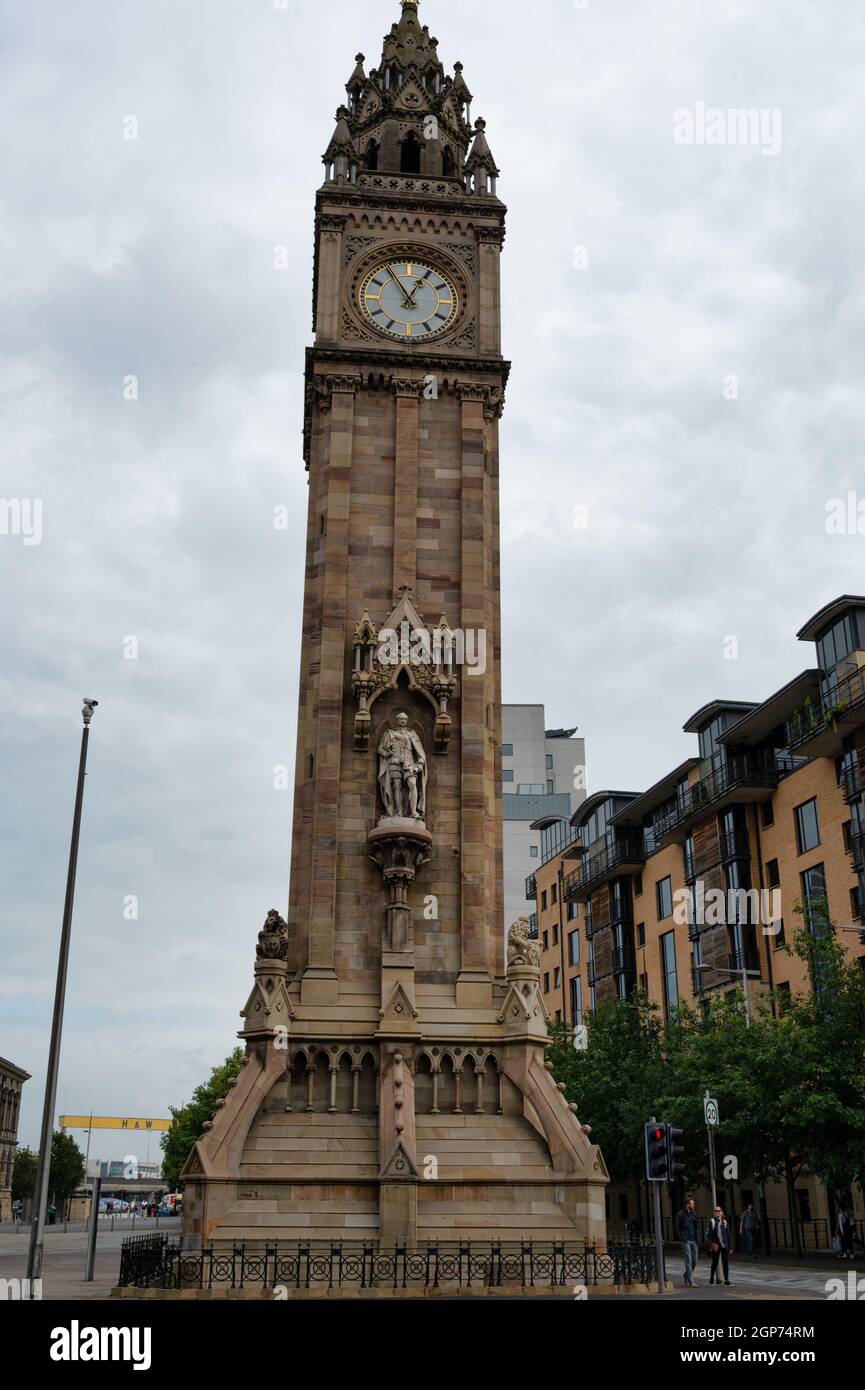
407 304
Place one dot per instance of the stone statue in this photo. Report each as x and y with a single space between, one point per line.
273 938
402 772
522 950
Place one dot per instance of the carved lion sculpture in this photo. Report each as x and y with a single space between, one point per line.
273 938
522 949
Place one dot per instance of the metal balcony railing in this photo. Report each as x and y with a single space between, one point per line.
824 714
851 782
734 844
742 770
856 849
531 888
627 849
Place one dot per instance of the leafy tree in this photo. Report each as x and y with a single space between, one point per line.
67 1167
24 1175
615 1080
189 1120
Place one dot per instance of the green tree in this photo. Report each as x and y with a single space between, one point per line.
67 1167
614 1081
24 1175
189 1120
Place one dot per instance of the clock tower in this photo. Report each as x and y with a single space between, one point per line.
394 1087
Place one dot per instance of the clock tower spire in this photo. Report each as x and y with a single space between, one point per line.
384 1012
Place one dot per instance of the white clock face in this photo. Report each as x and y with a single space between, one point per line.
408 299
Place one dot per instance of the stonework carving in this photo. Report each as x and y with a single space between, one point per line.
427 659
273 938
355 244
522 950
402 772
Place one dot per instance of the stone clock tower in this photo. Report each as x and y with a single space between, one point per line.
394 1087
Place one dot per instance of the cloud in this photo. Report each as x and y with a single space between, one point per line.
153 258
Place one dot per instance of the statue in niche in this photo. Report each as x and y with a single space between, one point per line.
402 772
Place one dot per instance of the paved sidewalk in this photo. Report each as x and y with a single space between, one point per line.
63 1263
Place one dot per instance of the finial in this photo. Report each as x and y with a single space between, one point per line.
480 123
360 58
409 5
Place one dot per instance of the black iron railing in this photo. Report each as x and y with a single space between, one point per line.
357 1264
741 770
851 782
823 715
627 848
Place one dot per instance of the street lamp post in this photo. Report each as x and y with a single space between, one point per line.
43 1171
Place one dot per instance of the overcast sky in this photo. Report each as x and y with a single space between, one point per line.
153 258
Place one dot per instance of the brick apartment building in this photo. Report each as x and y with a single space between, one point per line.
771 800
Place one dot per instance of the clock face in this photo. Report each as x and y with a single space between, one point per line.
408 299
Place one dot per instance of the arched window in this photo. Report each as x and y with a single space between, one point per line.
370 156
410 155
448 165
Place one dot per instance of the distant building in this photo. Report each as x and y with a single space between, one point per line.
543 783
11 1081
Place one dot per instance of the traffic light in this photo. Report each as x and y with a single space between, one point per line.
655 1136
674 1149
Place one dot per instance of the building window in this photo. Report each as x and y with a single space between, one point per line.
773 874
855 905
779 937
644 984
507 750
507 774
549 762
638 886
768 814
555 934
814 899
558 1015
641 933
577 1000
574 947
664 891
545 938
551 787
784 996
530 788
543 900
668 970
554 892
807 826
557 977
836 642
572 910
533 851
847 835
546 982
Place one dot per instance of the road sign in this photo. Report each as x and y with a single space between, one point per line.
711 1111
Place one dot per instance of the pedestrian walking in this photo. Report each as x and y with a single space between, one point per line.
687 1235
844 1232
749 1228
719 1245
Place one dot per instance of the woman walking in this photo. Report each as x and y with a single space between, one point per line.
719 1246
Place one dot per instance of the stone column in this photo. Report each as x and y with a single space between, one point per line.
474 986
407 394
329 228
319 981
398 1178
